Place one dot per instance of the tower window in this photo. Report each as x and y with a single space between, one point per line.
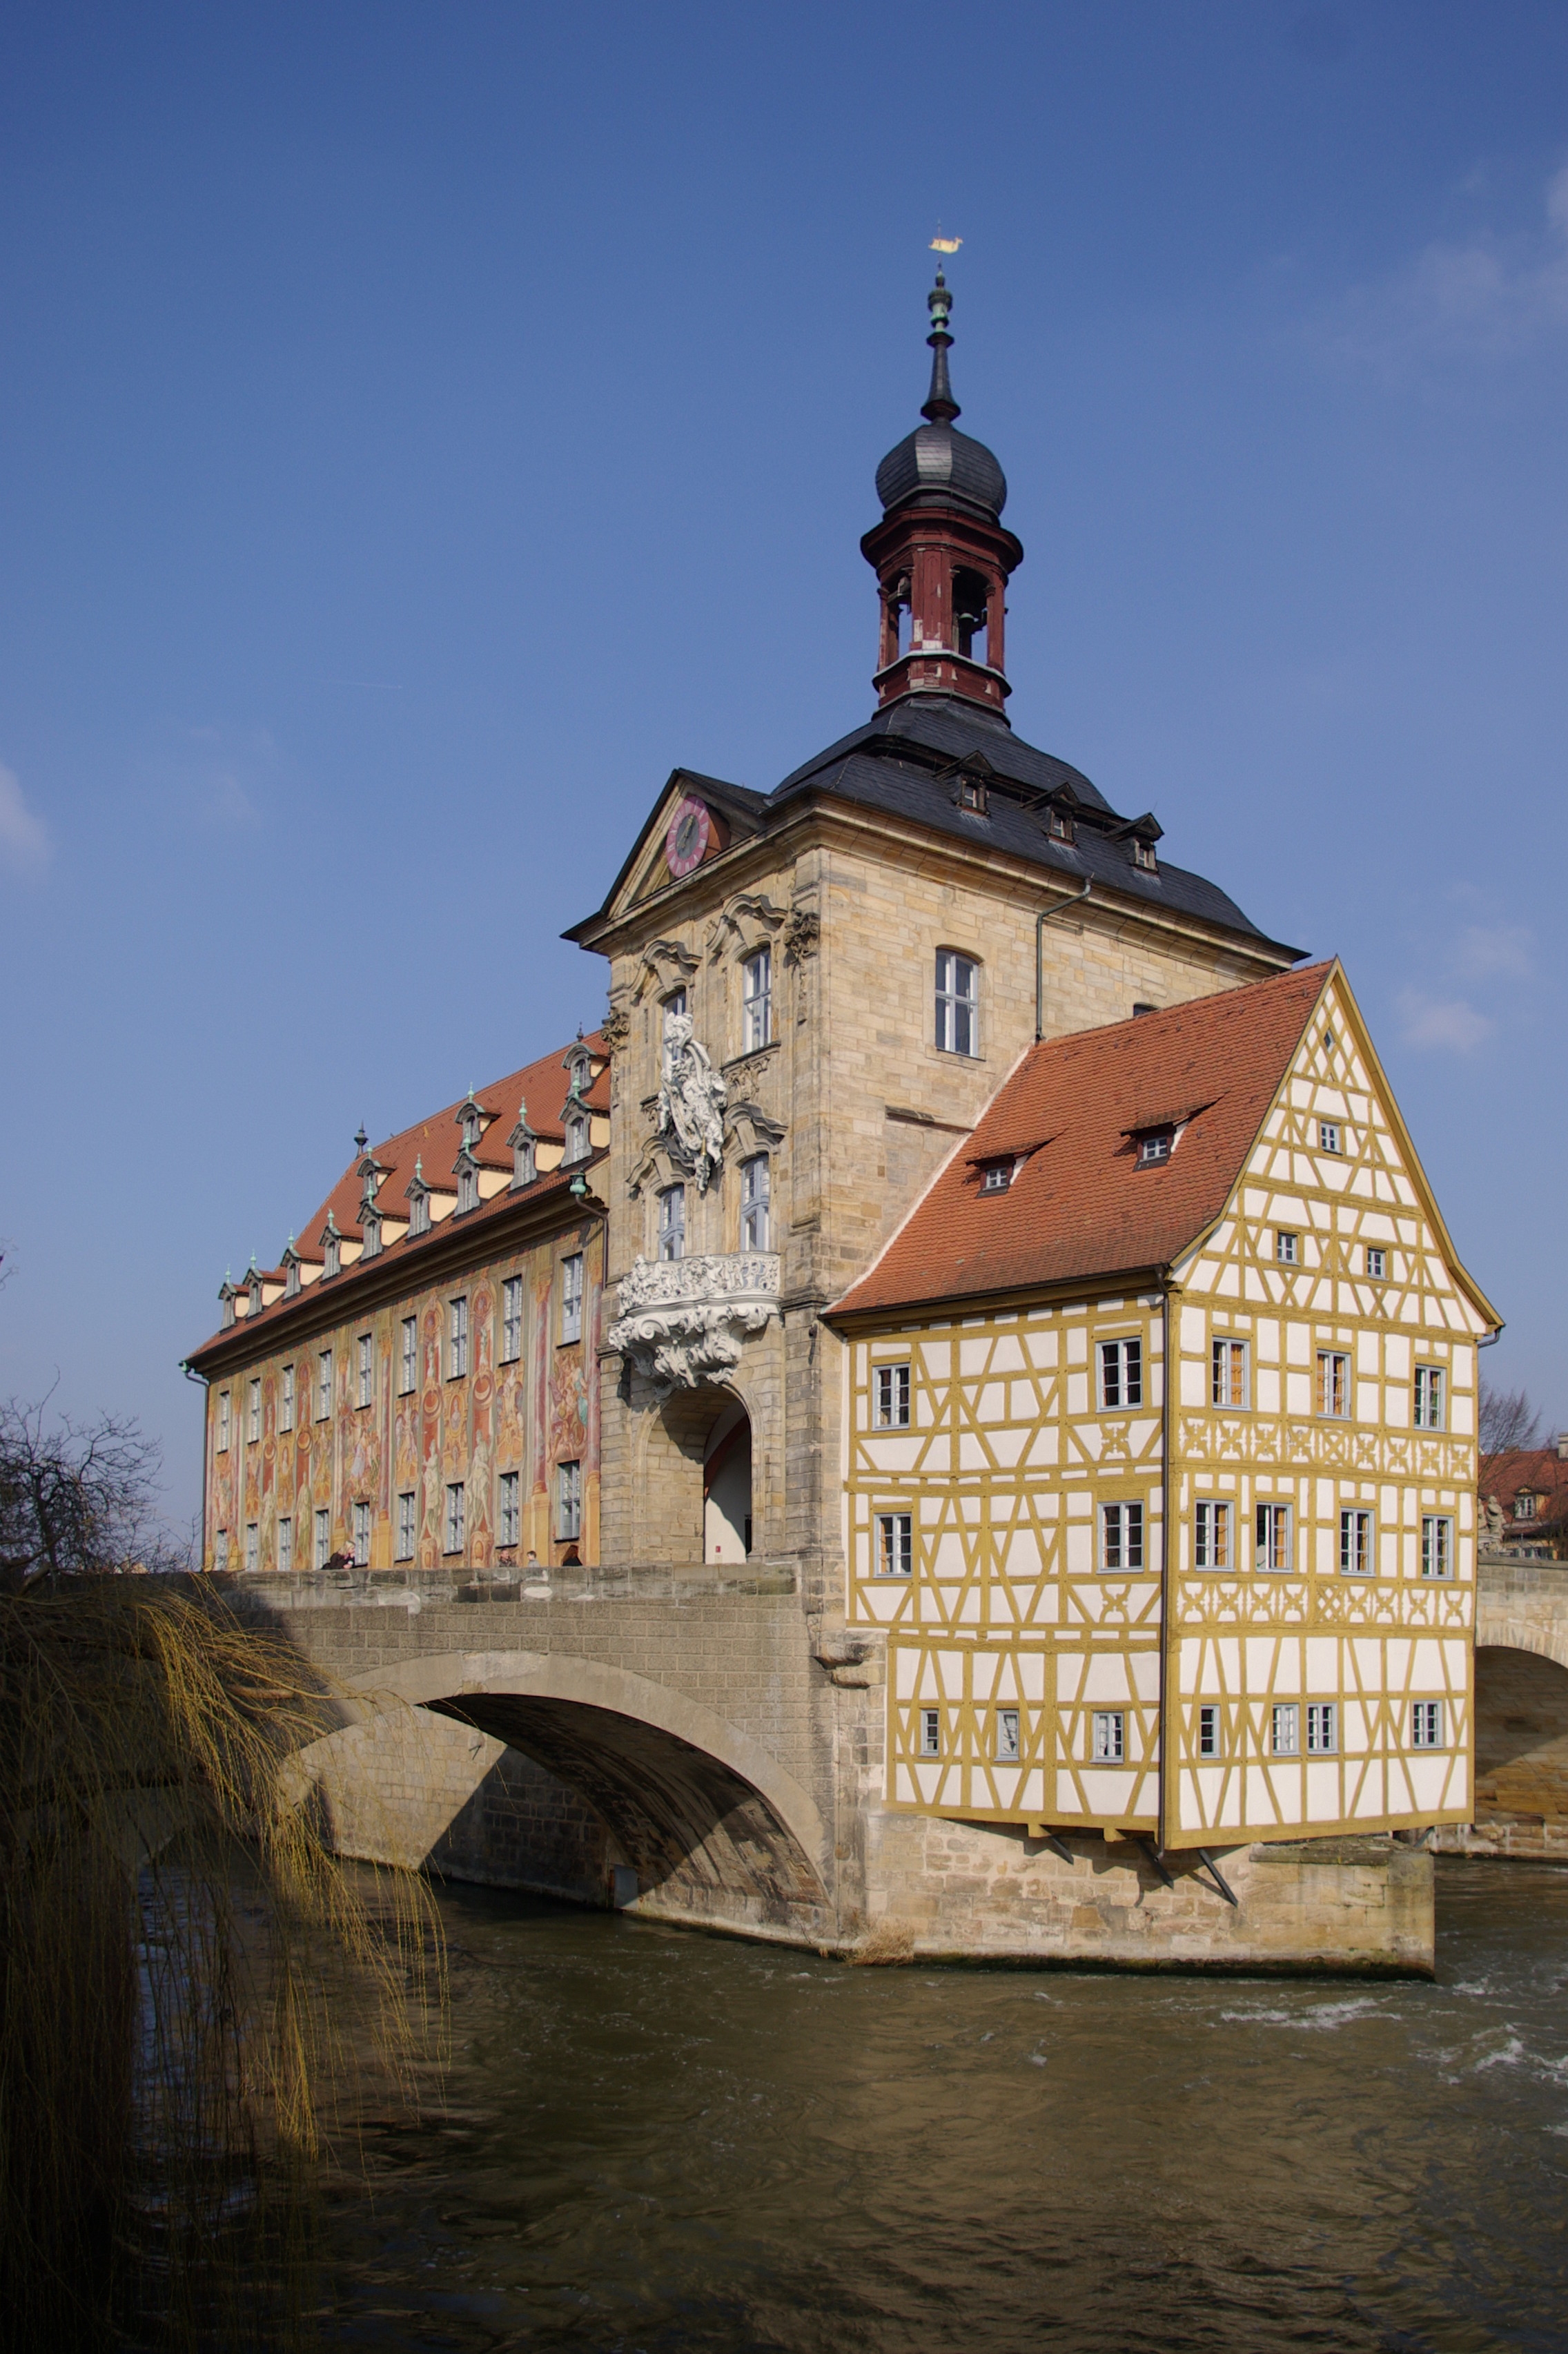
674 1009
755 1184
957 1003
1143 855
971 605
672 1222
757 996
1059 824
971 795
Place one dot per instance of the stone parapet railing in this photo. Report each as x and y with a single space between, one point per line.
418 1589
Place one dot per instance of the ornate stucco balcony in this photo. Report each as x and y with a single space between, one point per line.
681 1320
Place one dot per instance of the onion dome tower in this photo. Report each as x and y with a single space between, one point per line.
940 553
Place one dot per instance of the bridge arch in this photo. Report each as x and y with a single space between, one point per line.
1522 1724
713 1826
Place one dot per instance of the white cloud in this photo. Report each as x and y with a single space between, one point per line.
1486 949
1434 1021
24 841
1483 298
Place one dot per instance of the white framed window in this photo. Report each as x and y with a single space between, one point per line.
1273 1536
1228 1373
572 1297
419 1210
1007 1736
578 1137
1109 1736
1284 1739
511 1319
1143 855
1355 1543
324 1385
1157 1146
286 1546
1287 1247
468 1186
1429 1398
508 1510
220 1551
1208 1733
1059 825
1377 1263
1212 1536
331 1250
457 1338
756 1188
362 1536
253 1419
957 1003
1121 1375
286 1402
1426 1724
225 1421
568 1501
930 1724
674 1006
894 1545
1322 1727
408 1356
1333 1384
996 1177
456 1521
1524 1506
1121 1536
672 1222
756 999
890 1411
323 1538
1328 1136
252 1546
406 1524
1436 1545
523 1163
366 1368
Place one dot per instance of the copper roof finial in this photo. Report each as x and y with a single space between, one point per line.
360 1138
939 405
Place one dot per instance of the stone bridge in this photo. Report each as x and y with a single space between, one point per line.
1522 1711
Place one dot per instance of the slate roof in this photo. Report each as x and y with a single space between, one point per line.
437 1141
904 762
1081 1206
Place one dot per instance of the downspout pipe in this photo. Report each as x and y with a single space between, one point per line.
1165 1520
1041 920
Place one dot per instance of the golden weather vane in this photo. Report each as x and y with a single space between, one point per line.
941 244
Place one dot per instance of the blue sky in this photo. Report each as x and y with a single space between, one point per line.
420 429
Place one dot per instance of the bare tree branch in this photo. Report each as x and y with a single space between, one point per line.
76 1498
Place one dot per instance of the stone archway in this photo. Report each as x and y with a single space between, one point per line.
1521 1740
673 1487
670 1807
727 1487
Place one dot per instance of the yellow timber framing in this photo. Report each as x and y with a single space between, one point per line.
1009 1457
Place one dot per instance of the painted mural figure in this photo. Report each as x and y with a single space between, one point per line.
692 1100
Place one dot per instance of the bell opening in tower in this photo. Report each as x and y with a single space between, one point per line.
972 603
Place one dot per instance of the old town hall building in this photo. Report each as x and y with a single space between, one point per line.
963 1210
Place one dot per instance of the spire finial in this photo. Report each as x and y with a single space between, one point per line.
939 405
360 1138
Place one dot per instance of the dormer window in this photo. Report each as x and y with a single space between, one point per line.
418 1199
227 1297
370 1220
468 1184
971 795
1155 1147
472 1119
1143 855
254 1288
996 1177
332 1247
1059 824
577 1138
522 1142
291 1281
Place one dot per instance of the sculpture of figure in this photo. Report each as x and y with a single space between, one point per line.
1494 1527
692 1100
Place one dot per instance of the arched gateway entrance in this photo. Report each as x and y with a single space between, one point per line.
694 1498
696 1820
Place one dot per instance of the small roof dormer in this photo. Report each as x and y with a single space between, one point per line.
524 1141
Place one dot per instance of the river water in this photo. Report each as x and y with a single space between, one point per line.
648 2140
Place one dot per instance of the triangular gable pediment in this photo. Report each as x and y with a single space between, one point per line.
645 871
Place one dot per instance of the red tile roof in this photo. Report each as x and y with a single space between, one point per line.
1081 1205
1540 1470
438 1141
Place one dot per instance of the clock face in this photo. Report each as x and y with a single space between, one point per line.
691 829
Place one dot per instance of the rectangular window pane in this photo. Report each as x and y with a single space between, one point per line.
253 1430
893 1397
1208 1733
1334 1383
511 1319
1121 1536
362 1536
224 1410
894 1545
409 1355
507 1519
220 1551
1006 1736
1212 1537
1121 1374
755 1187
286 1547
1328 1135
1228 1373
252 1546
1376 1264
456 1339
1109 1736
930 1733
672 1222
569 1503
572 1297
1274 1536
405 1525
1426 1724
1322 1728
1429 1397
286 1404
1436 1546
1356 1544
452 1532
956 1002
324 1385
757 990
323 1538
1285 1248
366 1368
1287 1729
